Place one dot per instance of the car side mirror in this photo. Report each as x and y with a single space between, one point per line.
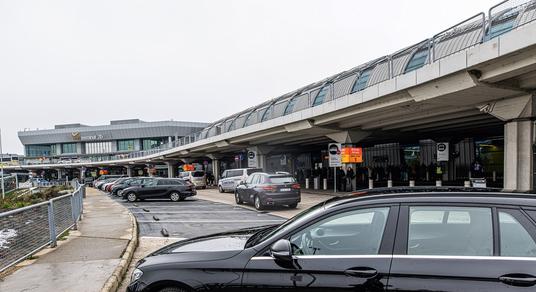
281 250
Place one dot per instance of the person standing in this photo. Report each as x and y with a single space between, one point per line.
350 175
341 179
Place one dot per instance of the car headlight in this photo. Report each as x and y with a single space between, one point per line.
136 275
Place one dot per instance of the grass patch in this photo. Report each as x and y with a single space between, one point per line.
64 235
23 197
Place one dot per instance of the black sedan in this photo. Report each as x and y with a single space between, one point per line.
263 189
159 188
129 182
439 241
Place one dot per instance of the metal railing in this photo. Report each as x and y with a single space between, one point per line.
26 230
472 31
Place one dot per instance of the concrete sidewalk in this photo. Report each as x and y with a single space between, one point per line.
90 258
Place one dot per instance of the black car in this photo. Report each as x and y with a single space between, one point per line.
132 181
263 189
157 188
432 241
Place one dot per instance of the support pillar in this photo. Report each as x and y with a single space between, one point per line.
256 156
129 170
59 172
518 156
517 113
82 173
171 169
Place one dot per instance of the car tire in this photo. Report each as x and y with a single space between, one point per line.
237 199
293 206
220 189
175 197
131 197
257 203
172 289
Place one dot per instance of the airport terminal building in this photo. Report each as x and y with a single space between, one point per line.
77 142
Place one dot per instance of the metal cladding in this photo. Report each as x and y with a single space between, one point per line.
114 131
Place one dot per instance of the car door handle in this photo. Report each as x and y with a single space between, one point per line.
523 280
361 272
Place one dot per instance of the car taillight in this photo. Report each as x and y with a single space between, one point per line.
296 186
269 188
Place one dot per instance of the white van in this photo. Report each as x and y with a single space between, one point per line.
197 177
231 178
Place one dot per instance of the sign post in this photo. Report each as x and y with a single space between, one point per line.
442 151
334 150
252 158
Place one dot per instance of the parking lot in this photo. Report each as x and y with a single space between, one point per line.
194 217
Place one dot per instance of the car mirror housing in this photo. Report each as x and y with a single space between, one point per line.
281 250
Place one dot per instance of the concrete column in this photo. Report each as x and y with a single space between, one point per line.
59 172
518 155
216 169
517 113
171 168
129 170
82 173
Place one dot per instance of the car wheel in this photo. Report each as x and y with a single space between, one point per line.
258 203
175 197
172 289
131 197
220 188
293 206
237 199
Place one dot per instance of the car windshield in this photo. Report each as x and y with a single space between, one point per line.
281 180
265 234
198 173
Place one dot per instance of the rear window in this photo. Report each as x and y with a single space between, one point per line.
198 173
253 170
184 174
281 180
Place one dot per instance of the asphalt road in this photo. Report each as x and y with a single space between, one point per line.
193 217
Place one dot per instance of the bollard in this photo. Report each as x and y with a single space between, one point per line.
325 182
438 183
370 183
389 183
467 183
307 183
411 183
316 183
494 176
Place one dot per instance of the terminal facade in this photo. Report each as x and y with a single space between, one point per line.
470 87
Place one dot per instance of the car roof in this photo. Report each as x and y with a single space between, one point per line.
434 195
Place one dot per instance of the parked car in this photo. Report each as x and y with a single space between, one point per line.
434 240
197 177
108 187
104 177
231 178
132 181
157 188
106 182
263 189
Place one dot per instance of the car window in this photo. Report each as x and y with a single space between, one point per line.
162 182
464 231
184 174
250 178
282 180
150 182
198 173
515 239
356 232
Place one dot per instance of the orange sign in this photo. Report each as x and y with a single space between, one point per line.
352 155
188 167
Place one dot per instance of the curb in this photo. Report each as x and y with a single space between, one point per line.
113 282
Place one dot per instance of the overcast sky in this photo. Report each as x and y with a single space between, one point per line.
94 61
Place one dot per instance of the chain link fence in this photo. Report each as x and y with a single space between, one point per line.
25 231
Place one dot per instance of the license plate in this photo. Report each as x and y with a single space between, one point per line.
285 190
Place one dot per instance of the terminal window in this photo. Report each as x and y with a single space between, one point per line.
125 145
68 148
